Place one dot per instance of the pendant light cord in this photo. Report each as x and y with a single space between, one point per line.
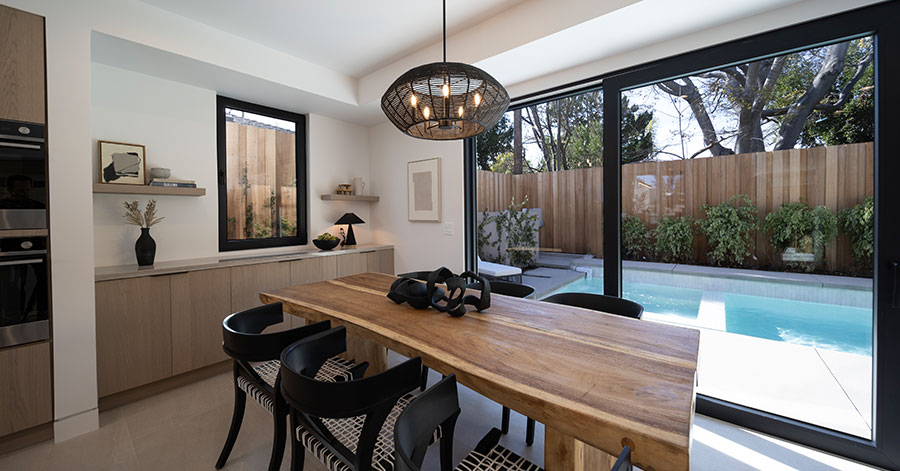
445 31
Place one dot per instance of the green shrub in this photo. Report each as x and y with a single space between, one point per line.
858 226
728 227
635 237
806 229
520 227
788 224
674 239
483 238
824 229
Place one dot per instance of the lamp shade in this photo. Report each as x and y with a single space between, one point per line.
444 101
350 218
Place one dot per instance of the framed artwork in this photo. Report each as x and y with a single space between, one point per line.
122 163
424 187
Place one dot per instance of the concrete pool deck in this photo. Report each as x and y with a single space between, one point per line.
825 387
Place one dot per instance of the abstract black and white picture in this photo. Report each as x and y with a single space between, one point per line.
424 180
121 163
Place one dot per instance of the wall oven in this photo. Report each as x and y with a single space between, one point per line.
23 176
24 297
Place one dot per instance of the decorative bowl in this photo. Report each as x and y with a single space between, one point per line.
326 244
159 172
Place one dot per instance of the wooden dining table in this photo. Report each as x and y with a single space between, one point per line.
597 381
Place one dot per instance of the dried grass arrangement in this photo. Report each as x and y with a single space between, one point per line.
133 214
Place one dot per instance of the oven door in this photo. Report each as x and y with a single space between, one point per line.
24 300
23 183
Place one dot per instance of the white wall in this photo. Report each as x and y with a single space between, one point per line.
417 245
177 125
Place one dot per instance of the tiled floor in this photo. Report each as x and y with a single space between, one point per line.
184 429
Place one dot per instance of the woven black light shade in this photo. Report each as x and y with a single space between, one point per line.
445 100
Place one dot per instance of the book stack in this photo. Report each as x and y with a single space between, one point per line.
171 182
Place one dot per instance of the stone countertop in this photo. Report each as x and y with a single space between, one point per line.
118 272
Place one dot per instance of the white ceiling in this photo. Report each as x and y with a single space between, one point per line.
353 37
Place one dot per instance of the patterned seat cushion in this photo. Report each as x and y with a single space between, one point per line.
490 456
347 431
335 369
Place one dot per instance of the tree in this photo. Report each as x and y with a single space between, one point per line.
782 91
493 142
569 131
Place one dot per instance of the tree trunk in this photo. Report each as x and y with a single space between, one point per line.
795 117
690 94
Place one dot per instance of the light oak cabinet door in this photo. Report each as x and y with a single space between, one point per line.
380 261
311 270
200 302
26 397
22 59
134 333
352 264
248 280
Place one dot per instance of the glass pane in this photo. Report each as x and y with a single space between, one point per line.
751 219
539 192
262 176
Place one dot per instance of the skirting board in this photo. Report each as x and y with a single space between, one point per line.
26 438
75 425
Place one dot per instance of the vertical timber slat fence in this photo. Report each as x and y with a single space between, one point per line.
837 177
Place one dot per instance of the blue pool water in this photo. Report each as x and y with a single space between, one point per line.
841 328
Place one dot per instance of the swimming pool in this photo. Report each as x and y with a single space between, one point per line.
829 326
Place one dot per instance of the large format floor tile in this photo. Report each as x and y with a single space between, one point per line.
184 429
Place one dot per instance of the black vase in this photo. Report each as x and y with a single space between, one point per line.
145 248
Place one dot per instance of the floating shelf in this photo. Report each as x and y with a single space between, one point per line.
362 198
147 190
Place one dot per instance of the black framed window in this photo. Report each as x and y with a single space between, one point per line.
867 26
262 176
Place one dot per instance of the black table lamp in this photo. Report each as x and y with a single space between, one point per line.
349 219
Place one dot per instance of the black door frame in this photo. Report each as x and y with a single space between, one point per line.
883 449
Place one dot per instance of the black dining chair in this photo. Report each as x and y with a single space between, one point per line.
439 407
256 369
347 425
596 302
599 302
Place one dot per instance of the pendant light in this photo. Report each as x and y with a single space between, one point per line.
445 100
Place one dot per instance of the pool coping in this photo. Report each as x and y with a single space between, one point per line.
804 279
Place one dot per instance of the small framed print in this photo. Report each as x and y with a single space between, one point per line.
424 187
121 163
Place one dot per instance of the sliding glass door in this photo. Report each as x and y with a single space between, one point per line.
747 190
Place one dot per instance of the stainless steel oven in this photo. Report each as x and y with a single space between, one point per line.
23 176
24 297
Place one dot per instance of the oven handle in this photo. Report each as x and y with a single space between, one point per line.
20 146
22 253
22 262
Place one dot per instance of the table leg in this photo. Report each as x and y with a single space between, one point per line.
360 350
565 453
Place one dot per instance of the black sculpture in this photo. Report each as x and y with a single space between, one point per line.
452 301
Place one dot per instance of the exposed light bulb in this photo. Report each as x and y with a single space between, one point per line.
413 101
426 112
460 111
477 99
445 89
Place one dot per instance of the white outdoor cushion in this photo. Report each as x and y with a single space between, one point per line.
496 269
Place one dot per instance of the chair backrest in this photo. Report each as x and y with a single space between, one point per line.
507 288
416 275
312 400
413 432
242 337
599 302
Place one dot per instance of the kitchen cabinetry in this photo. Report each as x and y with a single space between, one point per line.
22 55
134 333
153 327
29 402
198 309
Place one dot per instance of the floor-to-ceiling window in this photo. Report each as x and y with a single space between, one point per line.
752 220
748 195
